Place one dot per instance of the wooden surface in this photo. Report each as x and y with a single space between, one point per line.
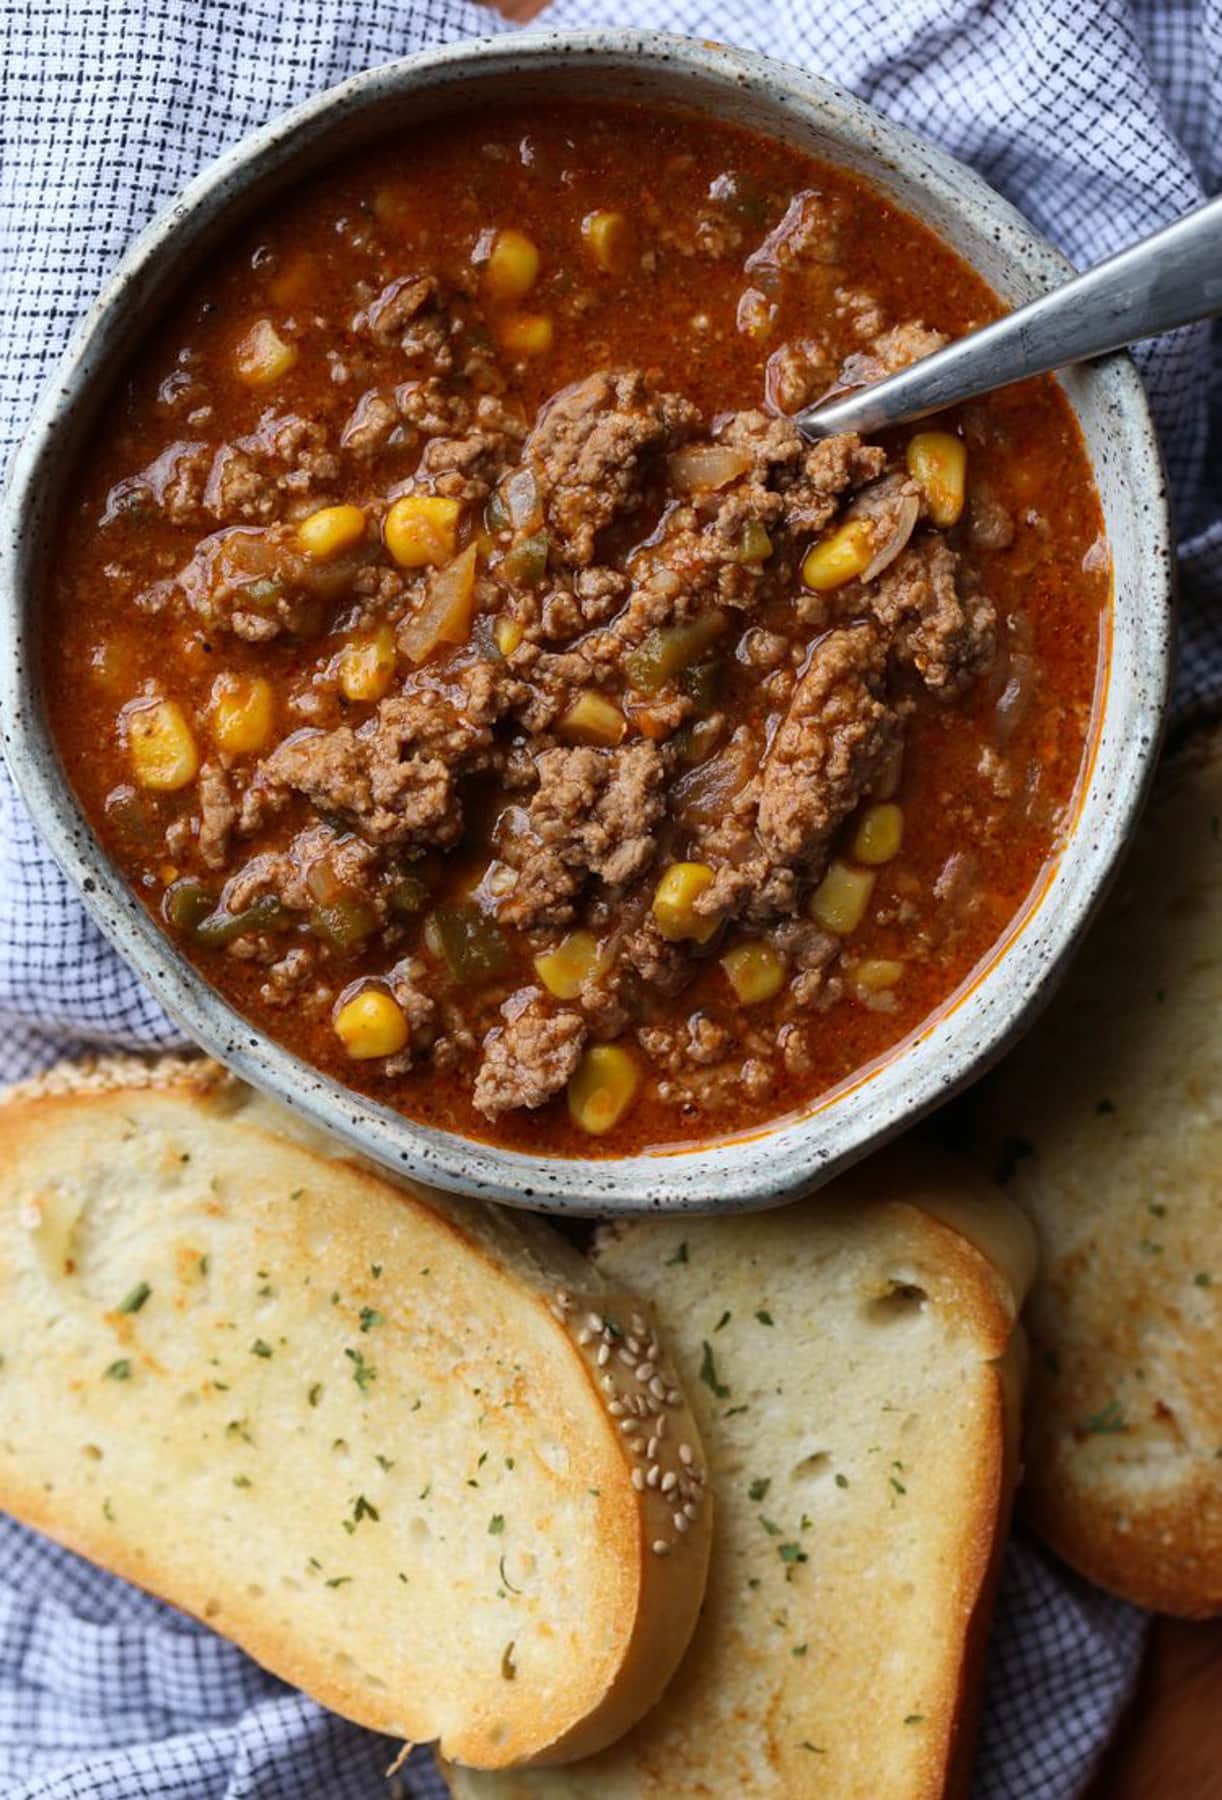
1169 1746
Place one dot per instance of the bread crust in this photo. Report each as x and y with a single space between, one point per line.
1108 1120
118 1167
752 1713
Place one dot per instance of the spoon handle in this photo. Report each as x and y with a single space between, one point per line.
1170 279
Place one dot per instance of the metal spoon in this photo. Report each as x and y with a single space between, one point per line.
1170 279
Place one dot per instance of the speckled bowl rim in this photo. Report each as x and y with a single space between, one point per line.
794 1154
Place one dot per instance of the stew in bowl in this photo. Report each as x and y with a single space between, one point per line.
467 663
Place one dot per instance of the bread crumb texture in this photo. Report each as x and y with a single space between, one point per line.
345 1422
1107 1127
850 1359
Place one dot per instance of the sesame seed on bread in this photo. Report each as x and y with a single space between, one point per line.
855 1365
413 1454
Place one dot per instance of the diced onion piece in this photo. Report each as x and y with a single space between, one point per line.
445 617
565 969
508 634
526 334
702 468
242 714
512 265
702 795
367 664
840 900
592 719
606 238
330 531
842 557
370 1025
902 526
674 903
161 745
937 462
879 834
262 356
602 1088
523 503
421 529
875 975
755 971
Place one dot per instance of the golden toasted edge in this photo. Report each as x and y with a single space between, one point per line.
1167 1563
982 1239
619 1336
669 1588
1173 1564
108 1072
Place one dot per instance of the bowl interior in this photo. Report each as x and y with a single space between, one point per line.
813 117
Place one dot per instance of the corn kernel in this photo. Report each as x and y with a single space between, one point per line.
879 834
606 238
526 334
592 719
330 531
241 714
565 970
937 462
508 634
840 900
367 664
877 973
421 529
371 1024
262 356
161 745
673 903
512 266
602 1088
754 971
839 558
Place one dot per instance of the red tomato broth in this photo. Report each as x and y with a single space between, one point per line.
421 203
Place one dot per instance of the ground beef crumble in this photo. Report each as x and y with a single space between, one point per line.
528 1058
589 449
582 830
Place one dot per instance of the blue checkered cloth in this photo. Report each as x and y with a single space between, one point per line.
1101 119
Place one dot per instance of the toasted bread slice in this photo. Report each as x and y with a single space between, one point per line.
358 1428
1108 1120
854 1365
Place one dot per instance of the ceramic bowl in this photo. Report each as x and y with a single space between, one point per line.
800 1151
